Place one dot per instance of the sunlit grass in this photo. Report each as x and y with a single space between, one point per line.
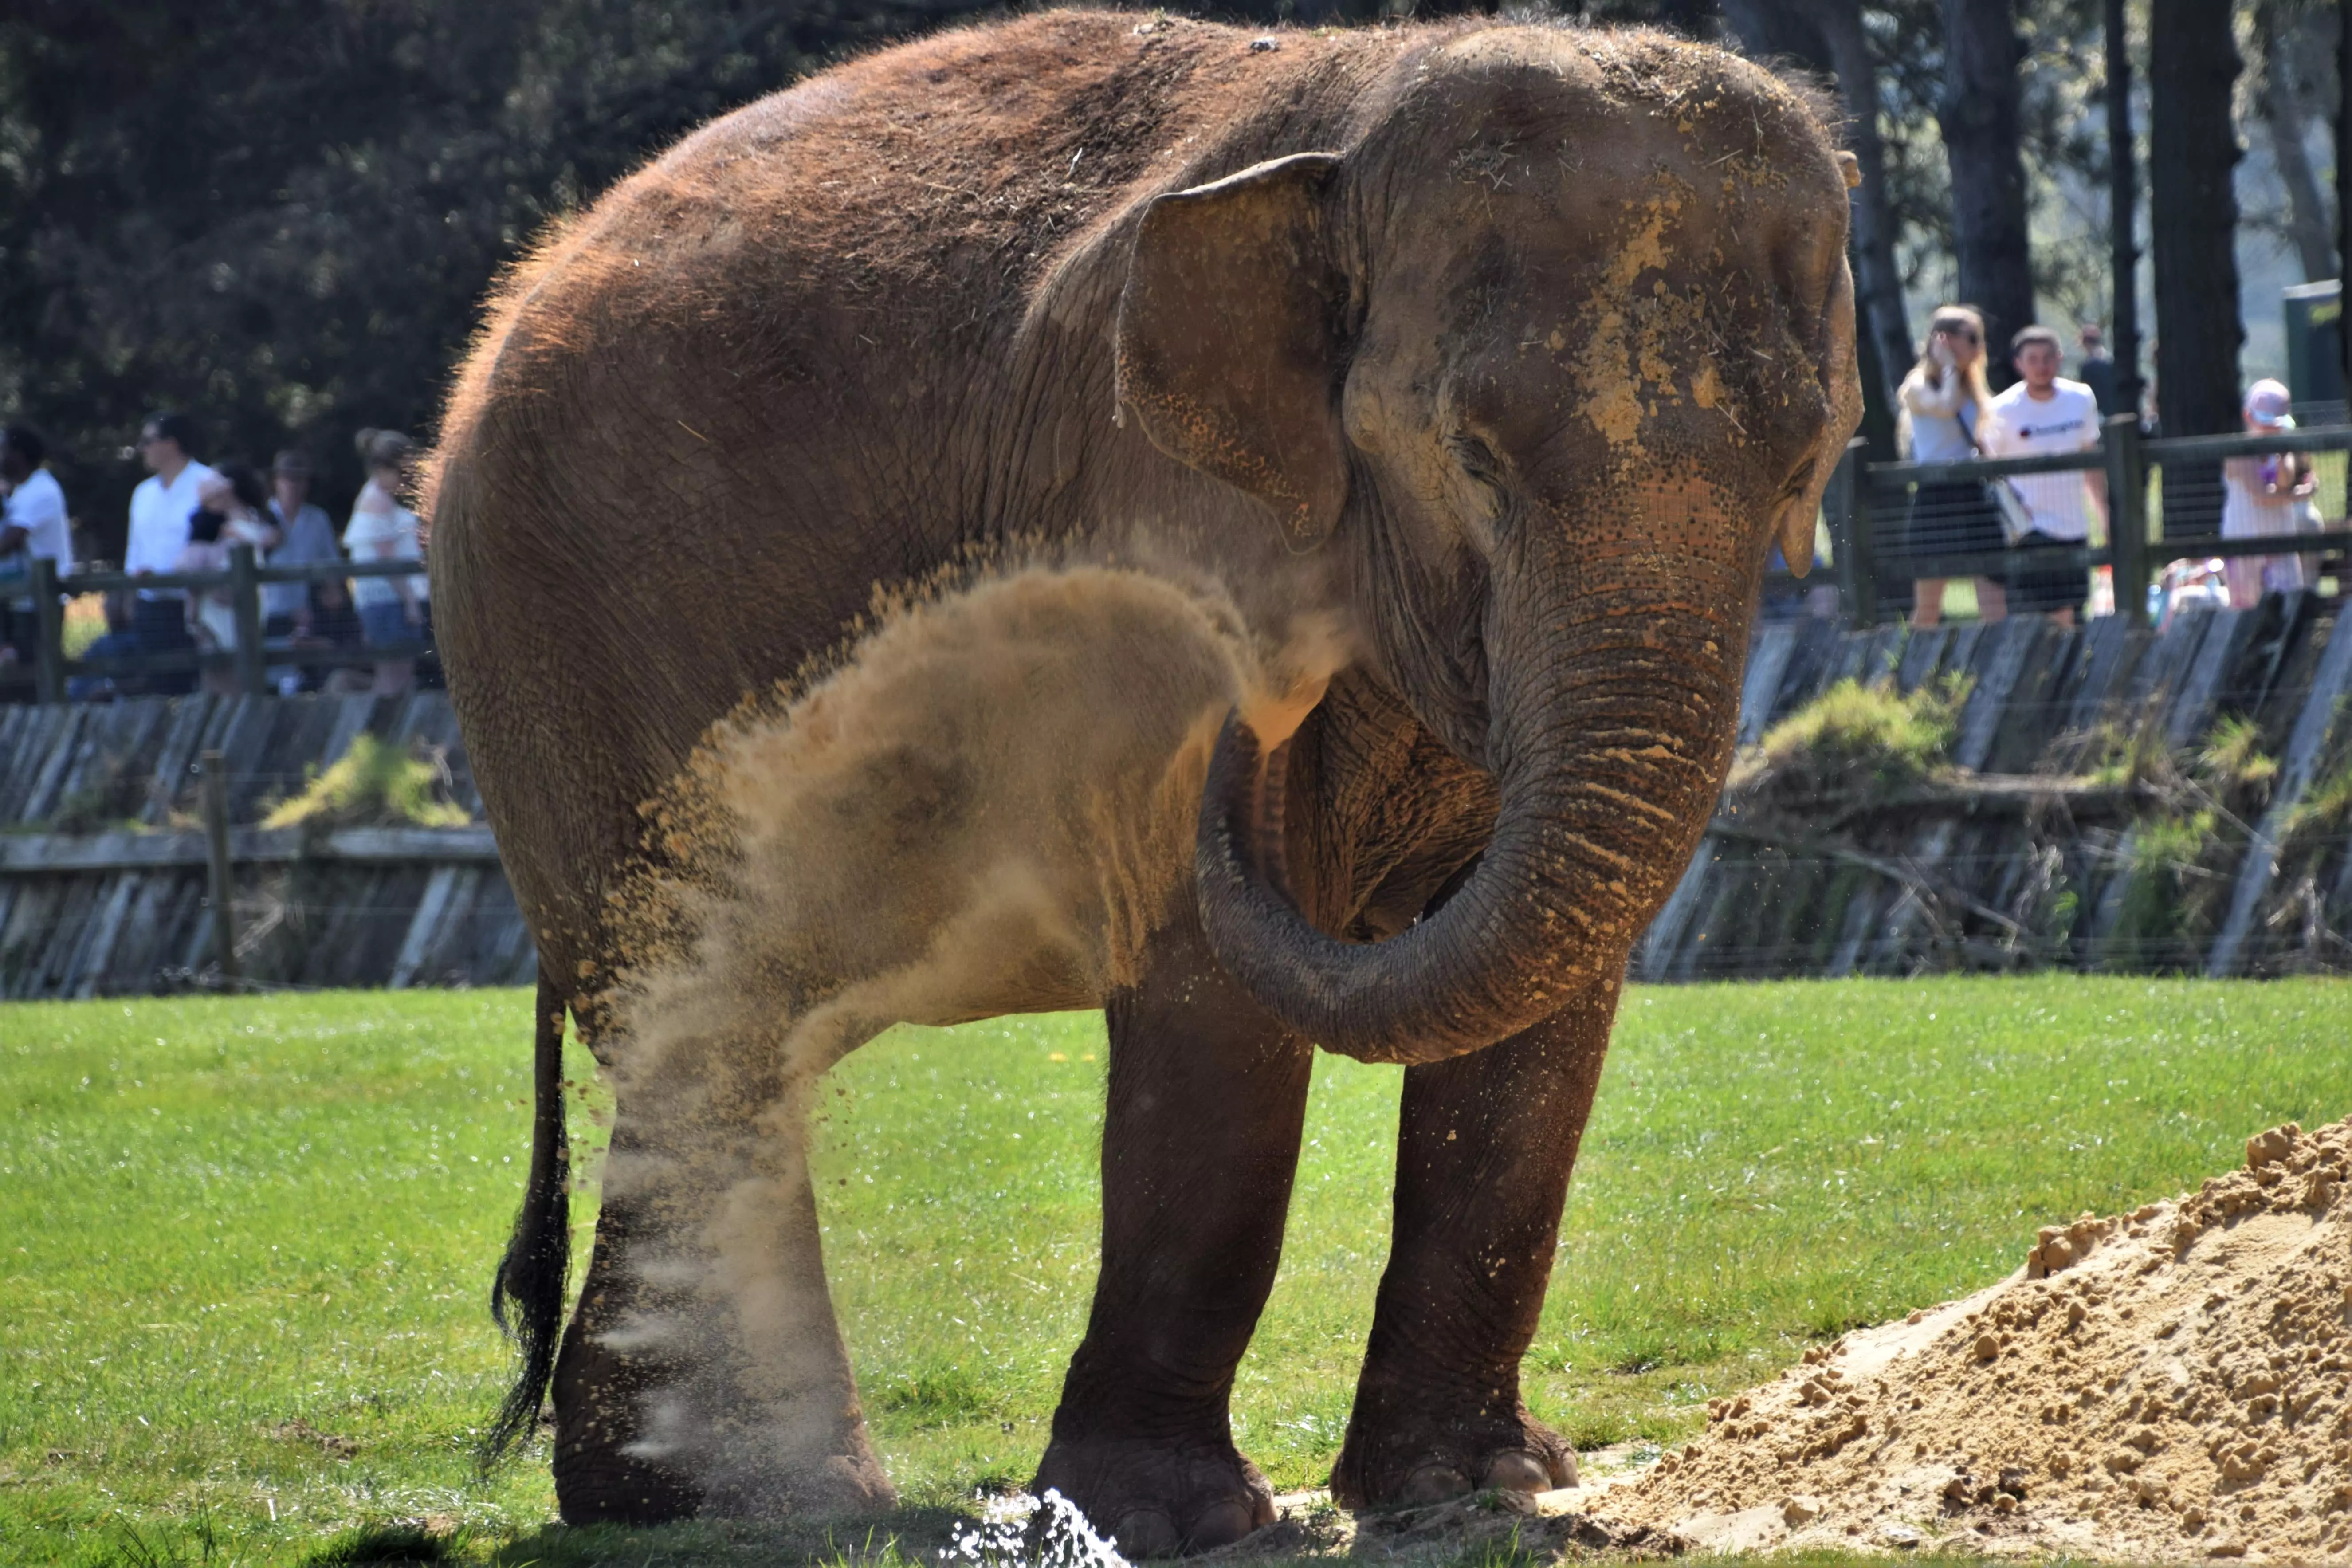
222 1218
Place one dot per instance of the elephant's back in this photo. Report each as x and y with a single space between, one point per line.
705 417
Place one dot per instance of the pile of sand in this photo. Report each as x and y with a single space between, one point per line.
2165 1384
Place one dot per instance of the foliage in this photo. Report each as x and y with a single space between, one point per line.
2183 850
2326 807
373 785
2231 757
226 1217
281 215
1857 739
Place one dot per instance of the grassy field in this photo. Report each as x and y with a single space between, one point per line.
243 1244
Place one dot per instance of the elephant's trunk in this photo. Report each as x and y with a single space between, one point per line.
1613 694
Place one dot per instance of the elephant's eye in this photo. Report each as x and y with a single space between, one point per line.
1477 458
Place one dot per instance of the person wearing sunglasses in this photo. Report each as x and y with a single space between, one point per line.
1943 398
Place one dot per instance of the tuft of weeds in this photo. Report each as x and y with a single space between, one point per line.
1502 1551
1857 740
373 785
2326 807
2232 757
383 1544
939 1397
197 1547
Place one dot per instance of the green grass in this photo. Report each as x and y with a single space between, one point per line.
221 1217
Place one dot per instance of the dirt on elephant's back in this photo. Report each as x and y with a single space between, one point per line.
2161 1386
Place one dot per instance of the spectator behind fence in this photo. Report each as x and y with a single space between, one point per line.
33 527
1944 399
2095 370
2045 413
117 641
2267 496
231 511
392 610
306 538
159 510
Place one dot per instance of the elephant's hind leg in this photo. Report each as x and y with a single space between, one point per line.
704 1372
1199 1144
1483 1154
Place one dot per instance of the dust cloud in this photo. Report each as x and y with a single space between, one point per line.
2174 1382
985 804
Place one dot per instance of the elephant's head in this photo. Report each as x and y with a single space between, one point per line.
1551 355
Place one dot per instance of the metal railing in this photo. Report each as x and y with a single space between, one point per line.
250 660
1857 506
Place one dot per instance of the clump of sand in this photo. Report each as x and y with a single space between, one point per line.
2165 1384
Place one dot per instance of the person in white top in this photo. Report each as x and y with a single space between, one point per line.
34 526
2045 413
2266 496
159 510
1943 399
392 609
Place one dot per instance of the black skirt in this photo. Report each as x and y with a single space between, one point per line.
2042 589
1952 518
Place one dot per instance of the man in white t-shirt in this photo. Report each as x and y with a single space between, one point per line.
33 526
160 509
2045 413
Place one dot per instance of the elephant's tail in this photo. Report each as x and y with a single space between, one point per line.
527 1296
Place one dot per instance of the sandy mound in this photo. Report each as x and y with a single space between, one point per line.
2166 1384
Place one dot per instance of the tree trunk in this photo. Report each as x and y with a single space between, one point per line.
2282 39
1829 37
1878 281
1979 115
2192 68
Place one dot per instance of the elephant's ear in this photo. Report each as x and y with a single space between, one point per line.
1229 338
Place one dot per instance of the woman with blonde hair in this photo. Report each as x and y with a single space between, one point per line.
392 610
1943 398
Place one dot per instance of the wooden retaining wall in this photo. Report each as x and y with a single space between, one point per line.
2021 874
103 874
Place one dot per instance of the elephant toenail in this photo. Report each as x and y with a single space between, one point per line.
1221 1524
1146 1533
1435 1483
1517 1472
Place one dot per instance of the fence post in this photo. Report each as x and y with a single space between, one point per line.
214 787
245 601
1848 519
2127 517
49 624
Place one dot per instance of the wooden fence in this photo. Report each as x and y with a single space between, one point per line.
2019 864
1865 509
103 865
251 658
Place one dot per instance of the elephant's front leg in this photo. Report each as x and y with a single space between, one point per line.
1200 1145
1483 1160
704 1372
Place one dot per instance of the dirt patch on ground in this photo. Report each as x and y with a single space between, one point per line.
2161 1386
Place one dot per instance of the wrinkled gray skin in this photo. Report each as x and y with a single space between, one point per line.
1508 347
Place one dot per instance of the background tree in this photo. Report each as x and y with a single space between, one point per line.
1978 117
2192 67
1829 37
281 215
2293 42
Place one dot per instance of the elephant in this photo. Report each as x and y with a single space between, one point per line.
1474 366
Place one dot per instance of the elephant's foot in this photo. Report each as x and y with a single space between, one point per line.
1406 1455
754 1479
1156 1498
597 1479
